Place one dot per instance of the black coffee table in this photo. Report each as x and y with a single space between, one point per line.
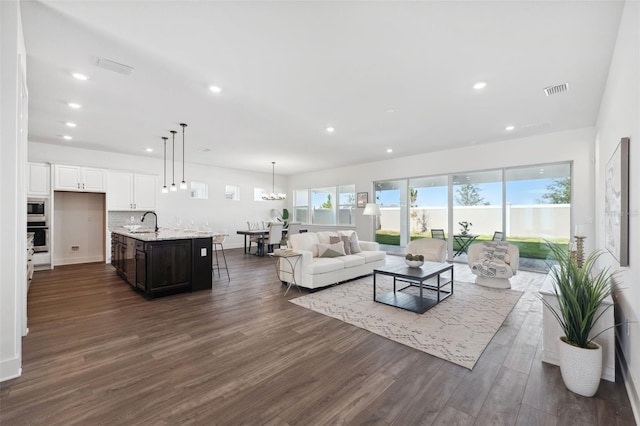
415 277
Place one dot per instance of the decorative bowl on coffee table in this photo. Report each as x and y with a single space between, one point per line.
414 263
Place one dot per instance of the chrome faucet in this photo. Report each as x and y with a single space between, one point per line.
153 213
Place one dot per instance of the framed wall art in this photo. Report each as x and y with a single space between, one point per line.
362 199
616 227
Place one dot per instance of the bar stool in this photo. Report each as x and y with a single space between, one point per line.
217 241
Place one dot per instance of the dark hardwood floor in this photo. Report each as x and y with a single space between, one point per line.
99 353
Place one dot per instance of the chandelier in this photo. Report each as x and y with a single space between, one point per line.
273 196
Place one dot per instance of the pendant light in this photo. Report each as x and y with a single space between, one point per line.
183 184
165 190
273 195
174 188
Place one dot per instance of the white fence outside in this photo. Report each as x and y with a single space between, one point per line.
540 220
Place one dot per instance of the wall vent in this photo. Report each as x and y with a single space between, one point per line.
554 90
114 66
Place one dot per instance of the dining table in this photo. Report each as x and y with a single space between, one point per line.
262 233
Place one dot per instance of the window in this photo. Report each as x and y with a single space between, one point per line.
333 205
232 192
346 204
199 190
301 206
323 205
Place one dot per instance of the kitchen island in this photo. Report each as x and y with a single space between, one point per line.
163 262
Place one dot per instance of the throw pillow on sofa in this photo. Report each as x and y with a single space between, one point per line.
355 245
344 240
331 250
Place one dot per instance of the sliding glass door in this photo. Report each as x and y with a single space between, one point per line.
538 208
428 205
477 203
524 205
391 196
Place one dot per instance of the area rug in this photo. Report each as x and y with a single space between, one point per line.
458 329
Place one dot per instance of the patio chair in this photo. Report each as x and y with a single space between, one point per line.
438 234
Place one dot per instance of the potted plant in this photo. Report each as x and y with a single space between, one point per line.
464 230
580 292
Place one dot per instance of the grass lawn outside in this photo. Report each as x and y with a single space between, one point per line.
533 248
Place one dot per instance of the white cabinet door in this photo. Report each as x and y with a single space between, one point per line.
74 178
120 191
39 179
145 191
94 180
68 178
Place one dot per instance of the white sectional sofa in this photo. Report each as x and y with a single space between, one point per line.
314 271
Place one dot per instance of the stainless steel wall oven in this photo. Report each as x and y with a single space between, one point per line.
38 223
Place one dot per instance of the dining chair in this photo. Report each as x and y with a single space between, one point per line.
218 241
498 236
274 237
438 233
254 226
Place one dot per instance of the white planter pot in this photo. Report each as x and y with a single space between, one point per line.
580 368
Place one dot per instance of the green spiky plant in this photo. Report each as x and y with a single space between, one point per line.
579 291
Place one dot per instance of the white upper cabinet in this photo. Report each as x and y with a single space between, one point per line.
120 191
39 180
83 179
129 191
145 191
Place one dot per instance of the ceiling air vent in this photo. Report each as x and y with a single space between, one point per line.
554 90
114 66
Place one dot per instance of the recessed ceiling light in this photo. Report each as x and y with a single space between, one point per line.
330 129
74 105
80 76
389 150
149 149
215 89
67 137
70 124
391 110
509 128
480 85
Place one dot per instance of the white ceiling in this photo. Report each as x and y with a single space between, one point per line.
290 69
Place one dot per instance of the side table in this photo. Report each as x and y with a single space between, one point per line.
292 259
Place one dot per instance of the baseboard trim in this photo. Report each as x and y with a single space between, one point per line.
632 393
77 260
10 369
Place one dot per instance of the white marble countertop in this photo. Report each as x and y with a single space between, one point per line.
143 234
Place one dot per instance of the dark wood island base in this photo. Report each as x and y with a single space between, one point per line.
162 263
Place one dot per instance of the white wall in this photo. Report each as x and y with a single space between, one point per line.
221 214
79 222
619 117
13 199
574 145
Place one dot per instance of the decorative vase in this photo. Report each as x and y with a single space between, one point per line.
580 368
